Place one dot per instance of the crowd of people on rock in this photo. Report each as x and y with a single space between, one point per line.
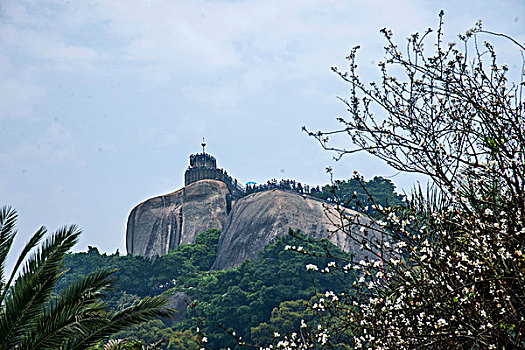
232 181
206 161
204 157
285 184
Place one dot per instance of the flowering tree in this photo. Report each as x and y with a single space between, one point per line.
449 270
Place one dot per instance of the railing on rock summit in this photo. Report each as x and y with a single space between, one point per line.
204 166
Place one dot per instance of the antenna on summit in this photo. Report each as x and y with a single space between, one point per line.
203 144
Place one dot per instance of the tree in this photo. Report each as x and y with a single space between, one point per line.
239 299
450 271
286 318
33 317
139 276
361 195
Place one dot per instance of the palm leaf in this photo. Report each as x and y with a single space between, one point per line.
33 242
34 285
8 218
76 310
147 309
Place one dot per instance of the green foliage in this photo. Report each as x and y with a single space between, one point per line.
254 292
257 298
124 344
155 331
361 195
285 319
183 340
141 276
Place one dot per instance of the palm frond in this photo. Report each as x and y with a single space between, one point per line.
147 309
8 218
34 285
31 317
33 242
74 311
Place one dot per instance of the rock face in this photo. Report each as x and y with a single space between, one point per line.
179 302
160 224
259 218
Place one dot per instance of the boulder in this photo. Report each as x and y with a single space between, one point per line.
178 301
259 218
162 223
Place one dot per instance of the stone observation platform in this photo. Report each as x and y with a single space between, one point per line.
203 166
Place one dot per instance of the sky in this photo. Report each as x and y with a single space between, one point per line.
102 102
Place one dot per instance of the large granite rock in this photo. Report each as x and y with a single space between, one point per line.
160 224
259 218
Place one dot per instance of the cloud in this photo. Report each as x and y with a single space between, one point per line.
245 48
253 43
48 48
55 145
18 98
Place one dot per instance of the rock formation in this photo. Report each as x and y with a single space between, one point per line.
213 199
178 301
259 218
160 224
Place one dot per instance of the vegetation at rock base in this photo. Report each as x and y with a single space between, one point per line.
138 276
285 319
254 292
451 273
32 316
156 332
258 296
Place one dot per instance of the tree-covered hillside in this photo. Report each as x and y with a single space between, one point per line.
141 276
246 298
256 299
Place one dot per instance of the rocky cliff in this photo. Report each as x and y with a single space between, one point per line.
160 224
259 218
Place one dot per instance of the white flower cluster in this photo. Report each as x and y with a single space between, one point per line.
294 248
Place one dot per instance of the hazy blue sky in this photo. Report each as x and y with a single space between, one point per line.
101 102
